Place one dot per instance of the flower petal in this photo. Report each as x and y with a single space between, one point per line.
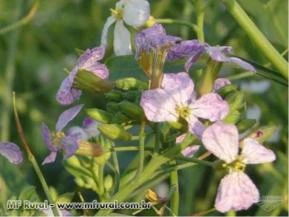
77 132
210 106
90 127
190 150
50 158
121 40
220 82
104 35
90 57
136 12
222 140
98 69
195 126
255 153
158 105
236 192
11 151
46 134
243 64
66 93
180 86
69 146
67 116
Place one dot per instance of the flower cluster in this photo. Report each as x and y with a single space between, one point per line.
168 98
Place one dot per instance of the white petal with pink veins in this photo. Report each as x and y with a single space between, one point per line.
158 106
254 153
210 106
236 192
222 140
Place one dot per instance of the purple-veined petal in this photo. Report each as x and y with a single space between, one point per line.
90 57
180 86
11 151
196 127
254 153
236 192
69 146
77 132
158 105
219 53
110 20
190 150
220 82
67 116
50 158
90 127
210 106
185 49
222 140
98 69
136 12
66 93
121 40
46 134
153 38
190 49
243 64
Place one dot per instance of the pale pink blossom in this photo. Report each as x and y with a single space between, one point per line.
236 190
176 99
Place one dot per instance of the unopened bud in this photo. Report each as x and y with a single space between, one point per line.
130 83
89 149
114 132
99 115
131 110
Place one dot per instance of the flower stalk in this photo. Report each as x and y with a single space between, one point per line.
257 36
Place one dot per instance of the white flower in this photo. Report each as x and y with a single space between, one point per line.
130 12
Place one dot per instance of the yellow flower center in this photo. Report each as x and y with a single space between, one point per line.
183 111
237 165
57 137
117 13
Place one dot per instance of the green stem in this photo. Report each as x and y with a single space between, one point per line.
200 20
32 159
209 76
175 198
257 36
117 171
195 160
23 21
178 22
9 78
100 181
141 149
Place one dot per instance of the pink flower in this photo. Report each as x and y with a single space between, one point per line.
236 190
176 99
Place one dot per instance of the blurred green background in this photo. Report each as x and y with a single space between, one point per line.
34 56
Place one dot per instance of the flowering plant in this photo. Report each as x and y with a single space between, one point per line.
176 109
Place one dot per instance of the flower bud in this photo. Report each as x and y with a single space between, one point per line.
114 132
88 81
108 182
89 149
99 115
114 95
131 110
130 83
